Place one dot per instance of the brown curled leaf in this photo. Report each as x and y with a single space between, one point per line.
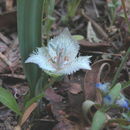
75 88
101 67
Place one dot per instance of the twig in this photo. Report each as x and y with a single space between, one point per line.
14 76
96 11
102 53
4 58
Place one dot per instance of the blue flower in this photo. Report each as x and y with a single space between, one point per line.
59 57
123 103
103 87
108 100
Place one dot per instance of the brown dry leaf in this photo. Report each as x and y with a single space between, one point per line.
67 125
8 19
27 113
3 47
19 90
17 127
75 102
52 96
68 108
9 5
11 59
58 111
94 76
5 39
75 88
13 55
4 64
68 111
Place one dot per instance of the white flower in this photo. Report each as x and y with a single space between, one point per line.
60 56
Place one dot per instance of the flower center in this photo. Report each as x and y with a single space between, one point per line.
59 61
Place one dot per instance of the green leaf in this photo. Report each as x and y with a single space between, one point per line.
48 9
8 100
29 17
113 94
78 37
41 83
72 7
126 84
115 91
34 99
98 120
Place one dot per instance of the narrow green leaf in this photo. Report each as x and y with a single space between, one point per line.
49 20
115 91
126 84
8 100
34 99
29 17
41 83
113 94
98 120
72 7
48 6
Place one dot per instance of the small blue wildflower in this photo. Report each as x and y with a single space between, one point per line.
108 100
123 103
103 87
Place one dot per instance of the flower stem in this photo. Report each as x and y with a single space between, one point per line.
126 84
120 67
128 51
51 82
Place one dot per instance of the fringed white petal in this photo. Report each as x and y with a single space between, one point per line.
64 42
41 58
82 62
